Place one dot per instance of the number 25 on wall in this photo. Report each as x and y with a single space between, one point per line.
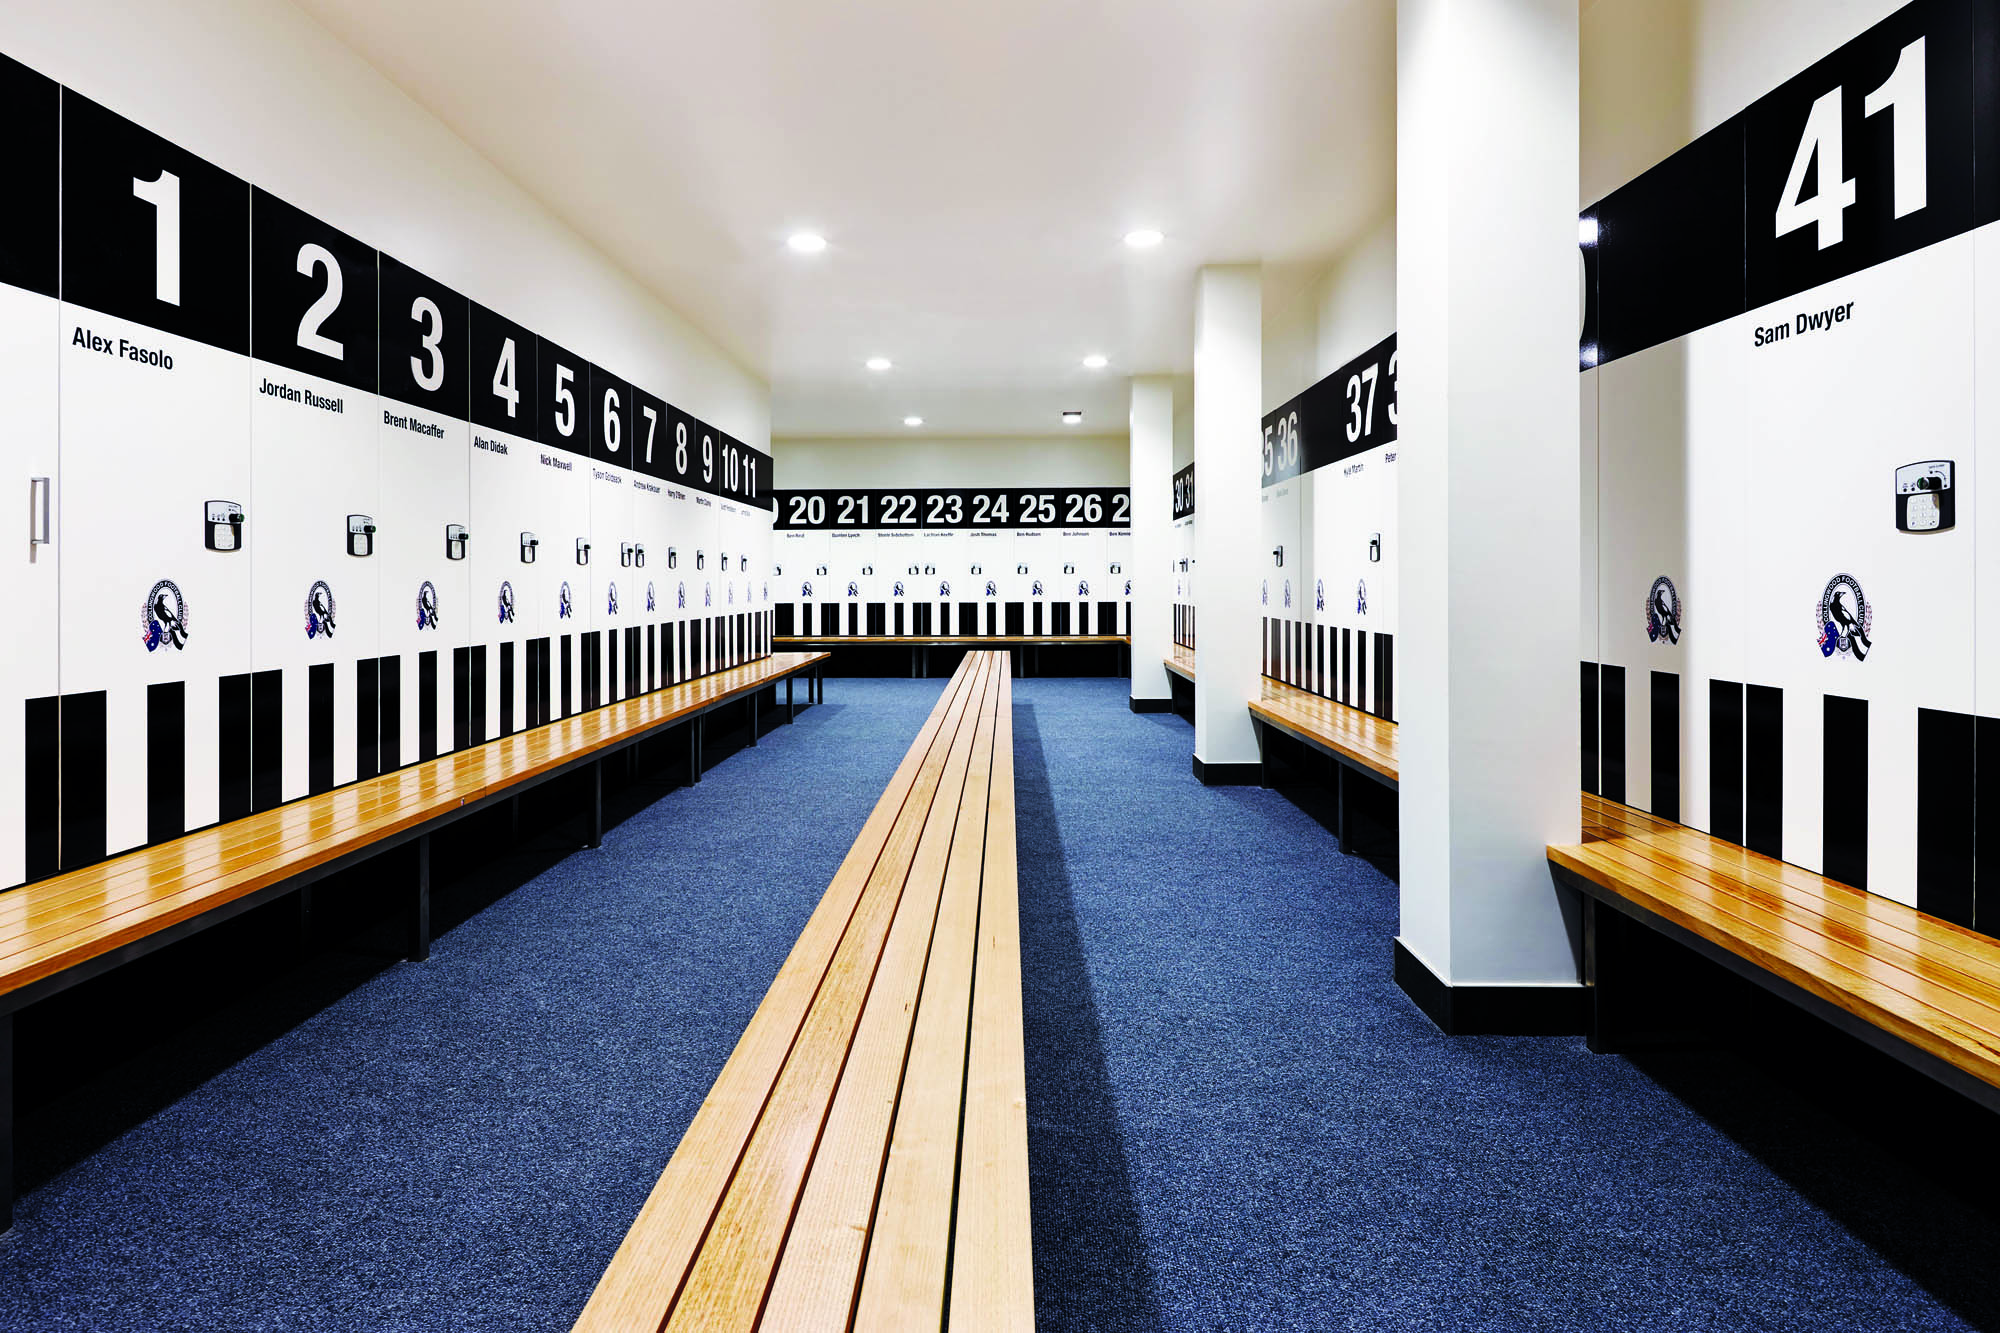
1903 96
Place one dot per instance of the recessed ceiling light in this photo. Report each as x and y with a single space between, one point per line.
1143 239
807 242
1095 362
878 363
1072 418
913 421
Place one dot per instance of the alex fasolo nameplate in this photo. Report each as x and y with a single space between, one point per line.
1925 501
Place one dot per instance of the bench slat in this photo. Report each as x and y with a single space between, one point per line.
646 1273
909 1244
992 1267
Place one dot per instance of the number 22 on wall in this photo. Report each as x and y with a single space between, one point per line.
1903 95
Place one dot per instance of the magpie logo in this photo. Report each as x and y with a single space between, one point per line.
990 589
681 598
563 606
1663 611
1845 619
708 594
427 605
1264 592
1083 587
611 599
506 603
1037 592
319 610
897 591
806 589
651 601
163 620
944 588
1288 594
1361 597
1319 594
853 588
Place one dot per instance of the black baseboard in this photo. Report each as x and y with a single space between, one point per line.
1474 1011
1151 705
1227 775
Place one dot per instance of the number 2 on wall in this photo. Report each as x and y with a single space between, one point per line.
1823 139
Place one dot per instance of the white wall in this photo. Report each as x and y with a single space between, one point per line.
1348 307
263 91
932 461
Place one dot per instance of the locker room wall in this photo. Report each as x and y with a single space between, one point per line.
263 93
941 597
1329 612
1751 471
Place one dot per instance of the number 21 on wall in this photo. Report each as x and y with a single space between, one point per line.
1903 96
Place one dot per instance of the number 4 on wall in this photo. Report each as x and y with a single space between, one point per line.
1823 140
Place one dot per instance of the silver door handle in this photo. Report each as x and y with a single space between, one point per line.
41 485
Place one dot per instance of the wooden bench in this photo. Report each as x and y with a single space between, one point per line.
1923 990
61 931
864 1149
1357 742
1026 663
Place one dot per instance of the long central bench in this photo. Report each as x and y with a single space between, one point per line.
861 1160
61 931
920 645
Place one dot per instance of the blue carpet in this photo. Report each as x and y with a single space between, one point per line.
1236 1120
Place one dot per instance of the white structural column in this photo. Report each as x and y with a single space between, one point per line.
1228 414
1152 436
1486 295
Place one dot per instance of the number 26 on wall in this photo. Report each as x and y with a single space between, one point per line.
1903 95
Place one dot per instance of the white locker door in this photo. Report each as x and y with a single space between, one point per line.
516 559
315 483
562 416
154 606
615 579
30 737
431 604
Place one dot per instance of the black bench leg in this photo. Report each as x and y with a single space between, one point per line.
6 1122
1340 804
595 814
1642 987
420 904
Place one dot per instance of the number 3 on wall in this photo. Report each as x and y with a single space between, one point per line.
1904 92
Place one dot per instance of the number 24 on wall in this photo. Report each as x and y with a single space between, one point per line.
1903 93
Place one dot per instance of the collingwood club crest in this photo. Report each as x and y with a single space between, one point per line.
708 594
563 606
506 603
1288 594
1037 591
610 599
1319 594
1663 611
1128 587
897 591
163 620
427 605
681 596
1264 592
651 604
1083 587
1845 619
1361 597
990 589
944 589
853 588
319 610
806 589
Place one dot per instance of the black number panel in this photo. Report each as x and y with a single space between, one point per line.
28 225
562 398
426 329
649 426
312 295
1908 164
610 418
501 377
152 233
681 452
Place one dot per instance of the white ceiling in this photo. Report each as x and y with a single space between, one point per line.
972 166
